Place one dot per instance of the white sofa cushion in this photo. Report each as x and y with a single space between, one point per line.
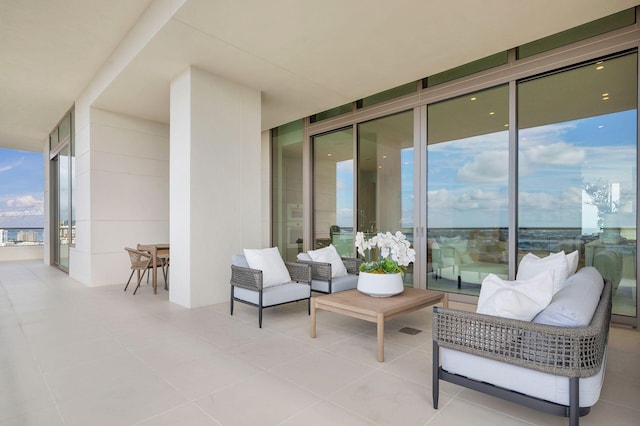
304 256
520 379
575 304
330 255
269 261
532 265
522 299
274 295
348 282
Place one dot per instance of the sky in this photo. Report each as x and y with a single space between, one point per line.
21 189
468 178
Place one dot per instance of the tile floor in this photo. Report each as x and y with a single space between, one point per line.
72 355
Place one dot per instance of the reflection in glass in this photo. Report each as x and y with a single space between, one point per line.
467 190
63 208
577 170
333 191
286 180
385 177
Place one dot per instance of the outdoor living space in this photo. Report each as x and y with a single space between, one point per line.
78 355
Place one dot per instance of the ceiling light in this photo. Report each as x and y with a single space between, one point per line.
506 125
600 67
384 156
328 155
473 98
492 113
379 167
605 94
605 98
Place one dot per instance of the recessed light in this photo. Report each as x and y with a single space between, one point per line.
506 125
328 155
600 67
379 167
492 113
605 98
384 156
605 94
473 98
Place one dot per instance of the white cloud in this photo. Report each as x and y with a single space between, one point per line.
557 154
486 167
24 201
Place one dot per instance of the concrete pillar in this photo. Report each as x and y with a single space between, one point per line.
215 183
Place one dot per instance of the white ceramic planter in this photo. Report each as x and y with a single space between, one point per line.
380 285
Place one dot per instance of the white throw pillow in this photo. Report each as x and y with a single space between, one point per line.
270 262
532 265
572 262
521 300
330 255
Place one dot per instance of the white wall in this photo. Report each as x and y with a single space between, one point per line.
217 187
122 192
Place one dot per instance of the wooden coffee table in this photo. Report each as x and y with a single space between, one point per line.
354 304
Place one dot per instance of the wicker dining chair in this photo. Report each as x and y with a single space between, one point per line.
141 261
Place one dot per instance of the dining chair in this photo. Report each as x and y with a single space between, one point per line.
141 261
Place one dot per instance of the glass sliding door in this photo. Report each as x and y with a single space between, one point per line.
62 223
467 190
385 177
333 202
577 156
287 211
62 166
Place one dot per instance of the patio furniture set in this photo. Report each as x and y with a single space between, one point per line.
539 341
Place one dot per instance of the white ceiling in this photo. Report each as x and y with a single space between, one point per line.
303 56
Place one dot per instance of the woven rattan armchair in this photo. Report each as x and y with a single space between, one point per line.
321 280
571 352
141 261
246 286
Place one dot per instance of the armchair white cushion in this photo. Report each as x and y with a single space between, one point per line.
330 255
322 273
247 285
270 262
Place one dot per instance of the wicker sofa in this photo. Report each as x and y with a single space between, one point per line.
555 368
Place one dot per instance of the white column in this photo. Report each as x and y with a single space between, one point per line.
215 184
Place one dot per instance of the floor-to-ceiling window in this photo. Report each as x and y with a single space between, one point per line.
287 215
531 150
62 158
333 180
386 177
577 157
467 190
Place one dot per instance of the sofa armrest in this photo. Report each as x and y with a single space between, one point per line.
352 264
248 278
299 272
319 270
563 351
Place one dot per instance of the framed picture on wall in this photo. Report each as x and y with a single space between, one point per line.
294 212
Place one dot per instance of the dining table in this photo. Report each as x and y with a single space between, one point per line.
159 256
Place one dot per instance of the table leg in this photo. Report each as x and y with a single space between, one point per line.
445 300
155 270
380 322
313 318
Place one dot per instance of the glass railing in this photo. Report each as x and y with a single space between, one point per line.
12 237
